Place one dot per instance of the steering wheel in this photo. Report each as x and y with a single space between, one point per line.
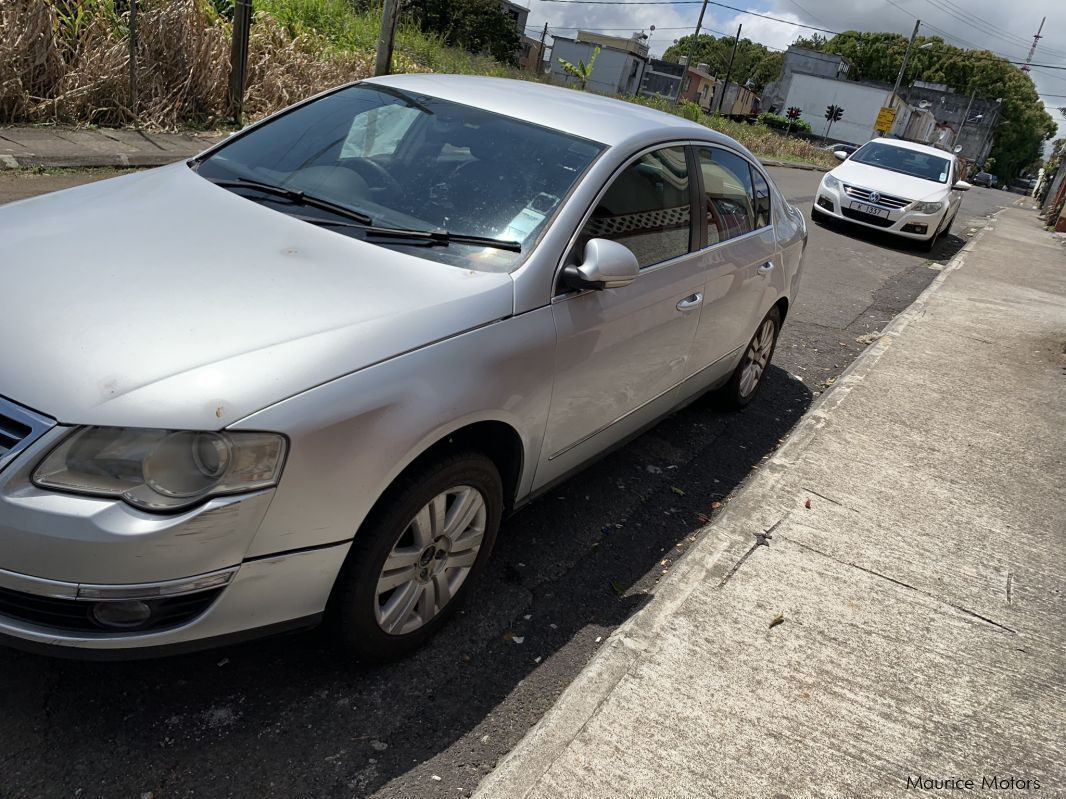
376 176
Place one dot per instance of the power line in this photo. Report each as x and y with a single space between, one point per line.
994 57
989 29
693 2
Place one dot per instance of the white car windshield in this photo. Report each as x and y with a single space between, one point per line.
904 160
436 179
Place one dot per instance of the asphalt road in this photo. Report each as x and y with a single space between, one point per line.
287 718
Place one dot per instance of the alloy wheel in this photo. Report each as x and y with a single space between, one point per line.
757 357
430 560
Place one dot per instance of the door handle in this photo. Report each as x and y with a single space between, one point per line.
690 302
766 268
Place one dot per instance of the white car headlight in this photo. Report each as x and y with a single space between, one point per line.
832 182
928 208
161 470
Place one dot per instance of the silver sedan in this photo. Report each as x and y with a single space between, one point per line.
304 375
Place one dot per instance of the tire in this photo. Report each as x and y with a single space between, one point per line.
947 230
409 527
741 390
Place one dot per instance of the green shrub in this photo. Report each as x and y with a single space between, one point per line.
782 123
689 110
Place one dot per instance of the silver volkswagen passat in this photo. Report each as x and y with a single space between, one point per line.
305 374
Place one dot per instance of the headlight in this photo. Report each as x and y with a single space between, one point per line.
928 208
832 182
161 470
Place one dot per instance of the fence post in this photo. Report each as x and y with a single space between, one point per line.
133 59
238 73
390 13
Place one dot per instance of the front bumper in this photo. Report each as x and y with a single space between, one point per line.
264 596
63 556
833 202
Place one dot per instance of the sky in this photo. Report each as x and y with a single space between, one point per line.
1003 27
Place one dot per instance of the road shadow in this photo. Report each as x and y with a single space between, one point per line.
288 717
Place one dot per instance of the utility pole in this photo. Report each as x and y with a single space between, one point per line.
238 70
906 58
728 70
965 116
691 53
386 37
540 56
133 59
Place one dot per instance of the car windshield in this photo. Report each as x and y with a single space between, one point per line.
915 163
408 162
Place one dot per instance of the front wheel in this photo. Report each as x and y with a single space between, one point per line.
416 556
751 371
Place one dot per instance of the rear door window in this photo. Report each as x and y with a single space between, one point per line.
762 198
729 199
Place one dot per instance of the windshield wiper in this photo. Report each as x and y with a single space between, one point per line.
442 238
426 238
296 197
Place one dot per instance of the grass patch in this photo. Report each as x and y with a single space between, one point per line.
759 138
58 66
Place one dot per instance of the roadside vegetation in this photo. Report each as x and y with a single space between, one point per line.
66 62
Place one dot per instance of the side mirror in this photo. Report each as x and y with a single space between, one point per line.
607 265
962 185
840 155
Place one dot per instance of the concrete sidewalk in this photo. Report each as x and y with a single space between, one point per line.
910 624
57 147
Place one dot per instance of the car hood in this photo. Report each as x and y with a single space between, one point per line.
889 182
161 300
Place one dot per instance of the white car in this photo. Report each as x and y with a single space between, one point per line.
903 188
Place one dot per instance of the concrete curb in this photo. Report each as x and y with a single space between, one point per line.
107 161
722 544
794 165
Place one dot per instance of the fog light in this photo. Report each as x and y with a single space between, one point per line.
123 615
914 227
825 202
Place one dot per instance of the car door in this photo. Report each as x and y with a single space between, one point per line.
621 353
739 255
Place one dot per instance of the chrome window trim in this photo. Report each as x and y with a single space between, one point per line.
38 424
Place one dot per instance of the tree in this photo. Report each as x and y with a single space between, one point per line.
753 62
475 25
581 70
1023 124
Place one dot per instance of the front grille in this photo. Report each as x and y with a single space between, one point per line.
74 615
19 427
869 219
884 200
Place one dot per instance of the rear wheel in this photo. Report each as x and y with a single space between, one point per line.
751 371
416 556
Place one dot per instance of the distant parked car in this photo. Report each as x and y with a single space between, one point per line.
335 350
907 189
847 148
985 179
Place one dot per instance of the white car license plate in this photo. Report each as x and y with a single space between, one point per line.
870 209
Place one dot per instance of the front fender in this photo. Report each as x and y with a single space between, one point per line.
351 437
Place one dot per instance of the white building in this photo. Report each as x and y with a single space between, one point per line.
617 70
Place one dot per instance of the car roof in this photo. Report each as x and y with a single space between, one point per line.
911 145
590 116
